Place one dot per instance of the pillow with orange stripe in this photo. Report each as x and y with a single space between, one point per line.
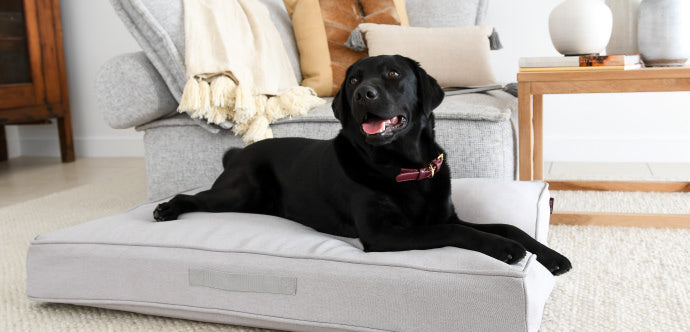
323 26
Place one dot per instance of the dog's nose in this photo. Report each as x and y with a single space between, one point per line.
366 93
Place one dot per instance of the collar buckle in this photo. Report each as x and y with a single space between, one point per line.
428 172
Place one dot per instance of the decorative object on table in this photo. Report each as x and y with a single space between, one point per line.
599 68
580 27
624 32
664 32
581 62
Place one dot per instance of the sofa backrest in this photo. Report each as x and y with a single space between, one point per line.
158 27
446 13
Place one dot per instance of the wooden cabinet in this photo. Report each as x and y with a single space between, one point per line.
33 83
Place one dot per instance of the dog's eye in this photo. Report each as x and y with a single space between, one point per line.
354 80
393 75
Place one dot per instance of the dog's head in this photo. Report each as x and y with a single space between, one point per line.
386 97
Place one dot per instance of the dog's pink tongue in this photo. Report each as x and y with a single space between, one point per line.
374 126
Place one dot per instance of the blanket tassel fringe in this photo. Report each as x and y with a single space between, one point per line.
219 100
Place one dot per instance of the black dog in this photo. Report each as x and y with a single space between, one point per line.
348 186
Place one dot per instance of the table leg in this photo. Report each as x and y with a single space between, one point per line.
538 144
66 143
525 132
3 144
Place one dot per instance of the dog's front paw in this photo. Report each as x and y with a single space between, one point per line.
165 211
506 251
556 263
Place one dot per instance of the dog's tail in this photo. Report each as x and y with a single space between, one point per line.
230 157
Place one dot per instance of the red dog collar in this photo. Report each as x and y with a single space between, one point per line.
409 174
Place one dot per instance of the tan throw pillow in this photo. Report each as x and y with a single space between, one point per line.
456 57
323 26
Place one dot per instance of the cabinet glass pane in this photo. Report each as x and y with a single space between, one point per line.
14 54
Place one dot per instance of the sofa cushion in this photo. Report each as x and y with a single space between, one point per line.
270 272
493 106
158 27
477 130
321 30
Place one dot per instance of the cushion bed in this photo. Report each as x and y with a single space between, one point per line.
265 271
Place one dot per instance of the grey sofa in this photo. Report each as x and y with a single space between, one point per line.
190 268
142 90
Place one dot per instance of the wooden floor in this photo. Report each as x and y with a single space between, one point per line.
27 178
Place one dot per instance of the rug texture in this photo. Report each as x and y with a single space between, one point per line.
624 279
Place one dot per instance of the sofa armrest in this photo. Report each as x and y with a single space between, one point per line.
131 92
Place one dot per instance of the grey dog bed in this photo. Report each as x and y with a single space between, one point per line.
265 271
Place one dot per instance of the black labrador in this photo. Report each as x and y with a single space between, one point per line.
381 179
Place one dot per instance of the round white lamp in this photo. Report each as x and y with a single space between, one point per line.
580 27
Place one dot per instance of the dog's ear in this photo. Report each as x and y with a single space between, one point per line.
340 103
429 92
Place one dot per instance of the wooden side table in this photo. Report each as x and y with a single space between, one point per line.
532 86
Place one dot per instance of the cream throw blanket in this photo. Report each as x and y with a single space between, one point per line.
237 69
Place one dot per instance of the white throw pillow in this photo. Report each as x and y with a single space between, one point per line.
455 57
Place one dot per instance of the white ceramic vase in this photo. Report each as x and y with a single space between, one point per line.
664 32
580 27
624 33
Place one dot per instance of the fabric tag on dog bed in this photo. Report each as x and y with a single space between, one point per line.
242 282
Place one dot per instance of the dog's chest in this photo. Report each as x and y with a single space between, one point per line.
422 202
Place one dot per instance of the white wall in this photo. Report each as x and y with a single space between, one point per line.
631 127
92 34
649 127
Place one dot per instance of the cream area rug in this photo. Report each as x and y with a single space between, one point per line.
624 279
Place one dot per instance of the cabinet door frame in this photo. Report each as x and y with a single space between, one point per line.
33 93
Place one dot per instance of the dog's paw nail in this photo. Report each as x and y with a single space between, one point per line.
164 212
514 253
559 269
509 252
556 264
157 216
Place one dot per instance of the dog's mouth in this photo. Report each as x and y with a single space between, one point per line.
374 125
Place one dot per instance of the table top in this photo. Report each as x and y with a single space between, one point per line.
631 74
657 79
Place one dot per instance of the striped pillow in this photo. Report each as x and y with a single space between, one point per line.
323 26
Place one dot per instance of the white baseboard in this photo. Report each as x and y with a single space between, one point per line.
85 147
623 149
13 148
13 145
